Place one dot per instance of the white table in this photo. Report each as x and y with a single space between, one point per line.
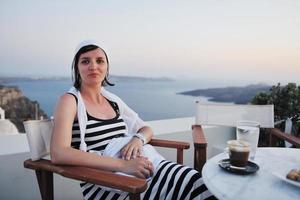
261 185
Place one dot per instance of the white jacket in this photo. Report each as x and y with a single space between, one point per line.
133 124
132 120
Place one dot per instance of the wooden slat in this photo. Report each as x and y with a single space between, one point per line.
284 136
95 176
169 144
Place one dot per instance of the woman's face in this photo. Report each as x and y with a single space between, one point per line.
92 67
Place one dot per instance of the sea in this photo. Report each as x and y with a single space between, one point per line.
151 98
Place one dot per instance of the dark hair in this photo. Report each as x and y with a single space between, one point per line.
75 72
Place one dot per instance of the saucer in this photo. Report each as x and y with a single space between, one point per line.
249 169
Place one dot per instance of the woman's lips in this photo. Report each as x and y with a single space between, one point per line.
94 74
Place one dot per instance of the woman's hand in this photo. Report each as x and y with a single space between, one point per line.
140 167
133 149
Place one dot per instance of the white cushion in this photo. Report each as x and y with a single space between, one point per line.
46 127
38 135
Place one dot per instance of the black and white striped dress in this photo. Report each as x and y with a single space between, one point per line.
170 180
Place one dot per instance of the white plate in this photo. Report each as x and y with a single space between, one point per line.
283 177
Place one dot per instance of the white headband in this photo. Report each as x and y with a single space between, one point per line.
86 43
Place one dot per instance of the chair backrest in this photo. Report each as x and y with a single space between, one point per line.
38 135
229 114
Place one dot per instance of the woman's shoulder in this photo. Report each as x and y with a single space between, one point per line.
67 99
66 106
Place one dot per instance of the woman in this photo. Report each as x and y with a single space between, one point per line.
88 119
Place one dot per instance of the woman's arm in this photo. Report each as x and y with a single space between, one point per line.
134 125
62 152
147 132
134 148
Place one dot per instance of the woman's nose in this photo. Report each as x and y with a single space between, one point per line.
92 65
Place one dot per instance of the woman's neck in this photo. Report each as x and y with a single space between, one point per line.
91 94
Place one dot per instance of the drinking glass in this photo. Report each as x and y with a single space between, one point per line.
249 132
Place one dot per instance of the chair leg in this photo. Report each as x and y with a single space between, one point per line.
273 140
200 147
199 158
45 181
134 196
180 156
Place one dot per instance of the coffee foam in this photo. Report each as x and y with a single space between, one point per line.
247 128
238 145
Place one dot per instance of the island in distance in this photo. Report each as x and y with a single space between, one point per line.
237 95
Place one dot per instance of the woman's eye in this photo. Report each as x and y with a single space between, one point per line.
85 62
100 61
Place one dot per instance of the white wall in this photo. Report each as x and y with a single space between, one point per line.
18 183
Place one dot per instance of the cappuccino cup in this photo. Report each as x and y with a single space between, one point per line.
238 151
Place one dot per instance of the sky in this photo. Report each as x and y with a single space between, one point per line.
240 41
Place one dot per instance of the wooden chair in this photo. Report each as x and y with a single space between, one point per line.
224 115
227 115
200 143
39 135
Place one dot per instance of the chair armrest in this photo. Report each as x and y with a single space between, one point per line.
284 136
198 136
200 147
172 144
169 144
95 176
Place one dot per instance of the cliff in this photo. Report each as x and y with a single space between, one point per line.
9 93
238 95
18 107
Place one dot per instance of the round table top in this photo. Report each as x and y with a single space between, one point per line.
264 184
